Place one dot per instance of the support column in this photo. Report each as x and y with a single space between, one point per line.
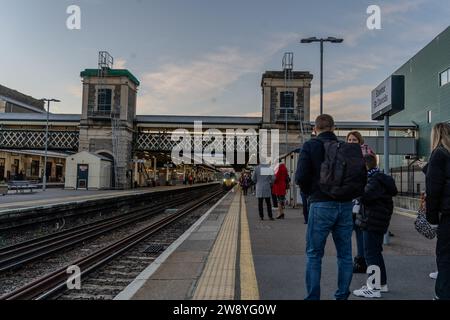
386 161
154 168
136 172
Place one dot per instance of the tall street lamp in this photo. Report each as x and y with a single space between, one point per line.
321 40
44 180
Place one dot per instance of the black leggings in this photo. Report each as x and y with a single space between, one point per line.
275 201
443 259
261 207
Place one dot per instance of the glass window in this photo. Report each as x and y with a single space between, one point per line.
35 168
287 102
2 169
445 77
104 100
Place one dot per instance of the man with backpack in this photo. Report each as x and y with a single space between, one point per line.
331 173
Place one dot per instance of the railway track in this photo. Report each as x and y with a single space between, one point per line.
30 218
15 256
54 282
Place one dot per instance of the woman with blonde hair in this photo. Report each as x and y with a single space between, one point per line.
438 203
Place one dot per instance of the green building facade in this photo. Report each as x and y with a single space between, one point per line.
427 89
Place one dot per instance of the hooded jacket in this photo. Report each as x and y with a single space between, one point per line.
378 205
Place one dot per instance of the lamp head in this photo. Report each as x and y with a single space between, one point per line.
335 40
50 100
309 40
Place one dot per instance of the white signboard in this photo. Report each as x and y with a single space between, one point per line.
389 97
382 97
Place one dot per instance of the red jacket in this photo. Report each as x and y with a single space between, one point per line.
281 177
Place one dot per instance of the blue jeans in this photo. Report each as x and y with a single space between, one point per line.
326 217
373 248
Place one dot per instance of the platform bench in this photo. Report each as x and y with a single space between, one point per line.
22 186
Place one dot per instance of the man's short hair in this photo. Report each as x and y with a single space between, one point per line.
371 161
324 122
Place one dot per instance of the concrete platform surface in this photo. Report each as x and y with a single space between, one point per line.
52 197
279 253
232 255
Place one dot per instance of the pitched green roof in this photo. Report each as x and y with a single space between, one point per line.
111 73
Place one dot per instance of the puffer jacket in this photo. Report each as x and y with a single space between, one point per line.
438 185
377 204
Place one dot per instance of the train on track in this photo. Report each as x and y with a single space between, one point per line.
229 180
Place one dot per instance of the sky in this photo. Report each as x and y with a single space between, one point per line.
206 57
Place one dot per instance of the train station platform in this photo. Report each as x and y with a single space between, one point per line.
230 254
14 202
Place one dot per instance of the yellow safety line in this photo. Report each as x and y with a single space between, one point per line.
249 283
217 281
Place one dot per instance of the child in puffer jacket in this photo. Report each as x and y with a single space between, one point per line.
374 218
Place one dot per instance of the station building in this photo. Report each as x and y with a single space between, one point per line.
427 89
137 148
12 101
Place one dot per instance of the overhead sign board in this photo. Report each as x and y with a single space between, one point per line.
388 98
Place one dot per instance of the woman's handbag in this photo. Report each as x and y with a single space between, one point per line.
422 225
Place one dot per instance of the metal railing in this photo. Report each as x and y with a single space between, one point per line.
410 181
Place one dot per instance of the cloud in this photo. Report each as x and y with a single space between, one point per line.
348 103
401 7
75 90
194 87
120 63
393 13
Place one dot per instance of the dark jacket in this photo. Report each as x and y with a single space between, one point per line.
308 168
378 205
438 185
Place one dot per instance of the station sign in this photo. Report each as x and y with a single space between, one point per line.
388 98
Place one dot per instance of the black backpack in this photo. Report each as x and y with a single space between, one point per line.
343 173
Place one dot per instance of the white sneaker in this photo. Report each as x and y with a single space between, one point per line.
434 275
384 289
365 292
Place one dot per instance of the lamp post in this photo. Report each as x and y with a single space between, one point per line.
44 179
321 40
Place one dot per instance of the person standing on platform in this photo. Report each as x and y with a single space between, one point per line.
331 187
263 177
374 219
359 263
279 188
438 204
245 183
